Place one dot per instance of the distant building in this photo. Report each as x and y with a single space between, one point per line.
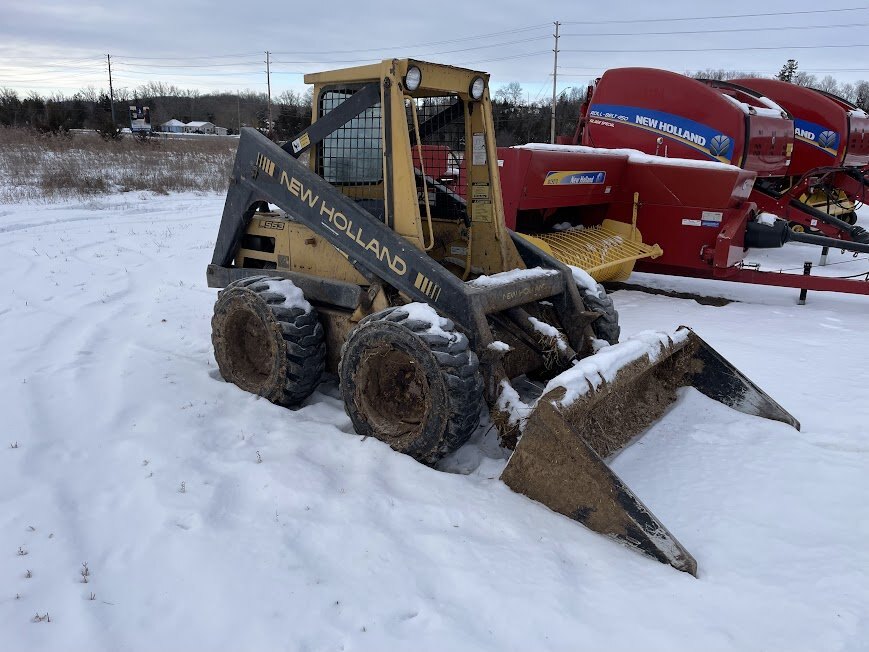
198 127
173 126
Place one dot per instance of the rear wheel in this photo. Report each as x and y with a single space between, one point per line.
267 339
606 327
417 388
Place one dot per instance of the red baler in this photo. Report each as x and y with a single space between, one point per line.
671 115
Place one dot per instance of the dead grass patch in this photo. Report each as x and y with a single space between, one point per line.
36 166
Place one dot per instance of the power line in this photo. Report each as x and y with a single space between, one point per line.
417 54
423 45
686 18
739 49
237 64
183 57
53 61
721 31
188 66
749 69
429 54
186 58
521 55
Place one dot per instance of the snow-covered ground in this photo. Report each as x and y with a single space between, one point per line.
211 520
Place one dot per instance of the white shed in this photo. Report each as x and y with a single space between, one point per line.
173 126
198 127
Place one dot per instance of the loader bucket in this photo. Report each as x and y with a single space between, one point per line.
592 411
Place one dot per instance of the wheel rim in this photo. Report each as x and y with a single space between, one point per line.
249 349
392 393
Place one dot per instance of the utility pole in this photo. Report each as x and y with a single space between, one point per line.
238 106
554 82
111 90
269 85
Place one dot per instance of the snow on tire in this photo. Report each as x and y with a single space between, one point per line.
410 379
268 339
606 327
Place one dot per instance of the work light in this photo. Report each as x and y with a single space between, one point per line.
478 85
413 78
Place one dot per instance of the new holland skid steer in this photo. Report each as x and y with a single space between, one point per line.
344 251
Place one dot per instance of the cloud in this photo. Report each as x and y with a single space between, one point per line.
221 44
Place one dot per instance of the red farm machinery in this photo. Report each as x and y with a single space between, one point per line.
813 187
831 151
700 168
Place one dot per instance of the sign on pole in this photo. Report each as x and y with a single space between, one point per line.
140 119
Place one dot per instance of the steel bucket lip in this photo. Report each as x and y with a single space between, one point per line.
561 457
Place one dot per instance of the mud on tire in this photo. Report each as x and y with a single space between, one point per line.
265 347
606 327
418 391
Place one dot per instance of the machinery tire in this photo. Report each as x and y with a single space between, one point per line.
606 327
859 234
264 346
416 390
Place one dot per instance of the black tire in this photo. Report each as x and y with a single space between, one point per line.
606 327
418 391
859 234
265 347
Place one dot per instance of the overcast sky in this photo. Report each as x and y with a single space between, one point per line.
60 45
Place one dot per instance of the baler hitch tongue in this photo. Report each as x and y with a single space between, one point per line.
592 411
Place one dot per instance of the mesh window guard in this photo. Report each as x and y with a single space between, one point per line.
353 153
438 157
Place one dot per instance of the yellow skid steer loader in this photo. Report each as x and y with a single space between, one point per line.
355 249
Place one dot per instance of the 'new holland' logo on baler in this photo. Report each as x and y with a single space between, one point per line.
817 135
574 177
700 137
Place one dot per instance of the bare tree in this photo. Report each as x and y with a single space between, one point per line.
804 79
861 95
720 74
510 94
829 85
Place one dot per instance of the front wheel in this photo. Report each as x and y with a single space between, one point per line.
268 340
606 327
411 380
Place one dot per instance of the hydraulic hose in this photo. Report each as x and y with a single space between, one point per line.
759 235
857 233
824 241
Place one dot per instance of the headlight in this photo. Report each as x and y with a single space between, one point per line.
478 85
413 78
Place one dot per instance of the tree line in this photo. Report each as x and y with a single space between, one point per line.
92 109
857 92
518 118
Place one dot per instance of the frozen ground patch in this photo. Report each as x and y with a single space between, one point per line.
210 519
